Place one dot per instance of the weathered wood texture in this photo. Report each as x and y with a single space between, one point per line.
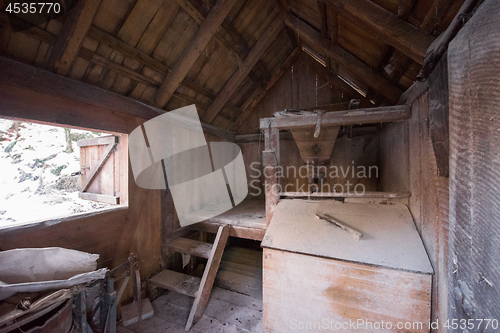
345 59
474 63
300 87
44 97
439 117
408 163
191 53
73 32
359 151
386 26
308 290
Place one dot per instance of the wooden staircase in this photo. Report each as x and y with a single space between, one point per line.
193 286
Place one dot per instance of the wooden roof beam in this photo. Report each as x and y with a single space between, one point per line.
376 115
255 99
239 75
191 53
334 79
50 38
71 36
405 7
435 14
386 26
239 47
346 60
36 94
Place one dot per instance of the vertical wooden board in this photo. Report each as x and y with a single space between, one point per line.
307 289
394 159
474 67
415 162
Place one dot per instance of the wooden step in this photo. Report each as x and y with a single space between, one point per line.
178 282
190 246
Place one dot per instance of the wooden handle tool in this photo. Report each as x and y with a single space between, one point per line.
356 234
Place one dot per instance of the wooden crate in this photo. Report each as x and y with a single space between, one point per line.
318 278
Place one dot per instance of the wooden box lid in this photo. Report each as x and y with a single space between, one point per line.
390 238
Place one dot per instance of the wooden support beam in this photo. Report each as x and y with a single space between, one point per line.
348 117
234 82
43 96
255 100
405 7
386 26
349 62
191 53
238 46
73 32
94 58
271 144
435 14
437 49
323 14
116 44
330 76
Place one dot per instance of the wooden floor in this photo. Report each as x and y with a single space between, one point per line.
235 303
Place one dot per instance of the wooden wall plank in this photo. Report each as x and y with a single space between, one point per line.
474 167
312 290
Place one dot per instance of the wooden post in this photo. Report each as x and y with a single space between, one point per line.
272 144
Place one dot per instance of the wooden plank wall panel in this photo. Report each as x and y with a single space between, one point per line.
308 289
408 163
299 87
474 67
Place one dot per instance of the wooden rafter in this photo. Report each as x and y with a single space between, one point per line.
255 99
234 82
334 79
324 26
346 60
127 50
405 7
239 47
73 32
40 95
191 53
94 58
386 26
435 15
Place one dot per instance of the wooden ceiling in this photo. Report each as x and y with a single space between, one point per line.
225 55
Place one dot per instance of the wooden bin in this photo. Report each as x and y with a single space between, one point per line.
318 278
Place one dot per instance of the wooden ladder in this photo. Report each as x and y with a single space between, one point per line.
193 286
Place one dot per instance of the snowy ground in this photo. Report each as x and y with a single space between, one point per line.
35 173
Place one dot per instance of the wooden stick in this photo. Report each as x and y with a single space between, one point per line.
356 234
